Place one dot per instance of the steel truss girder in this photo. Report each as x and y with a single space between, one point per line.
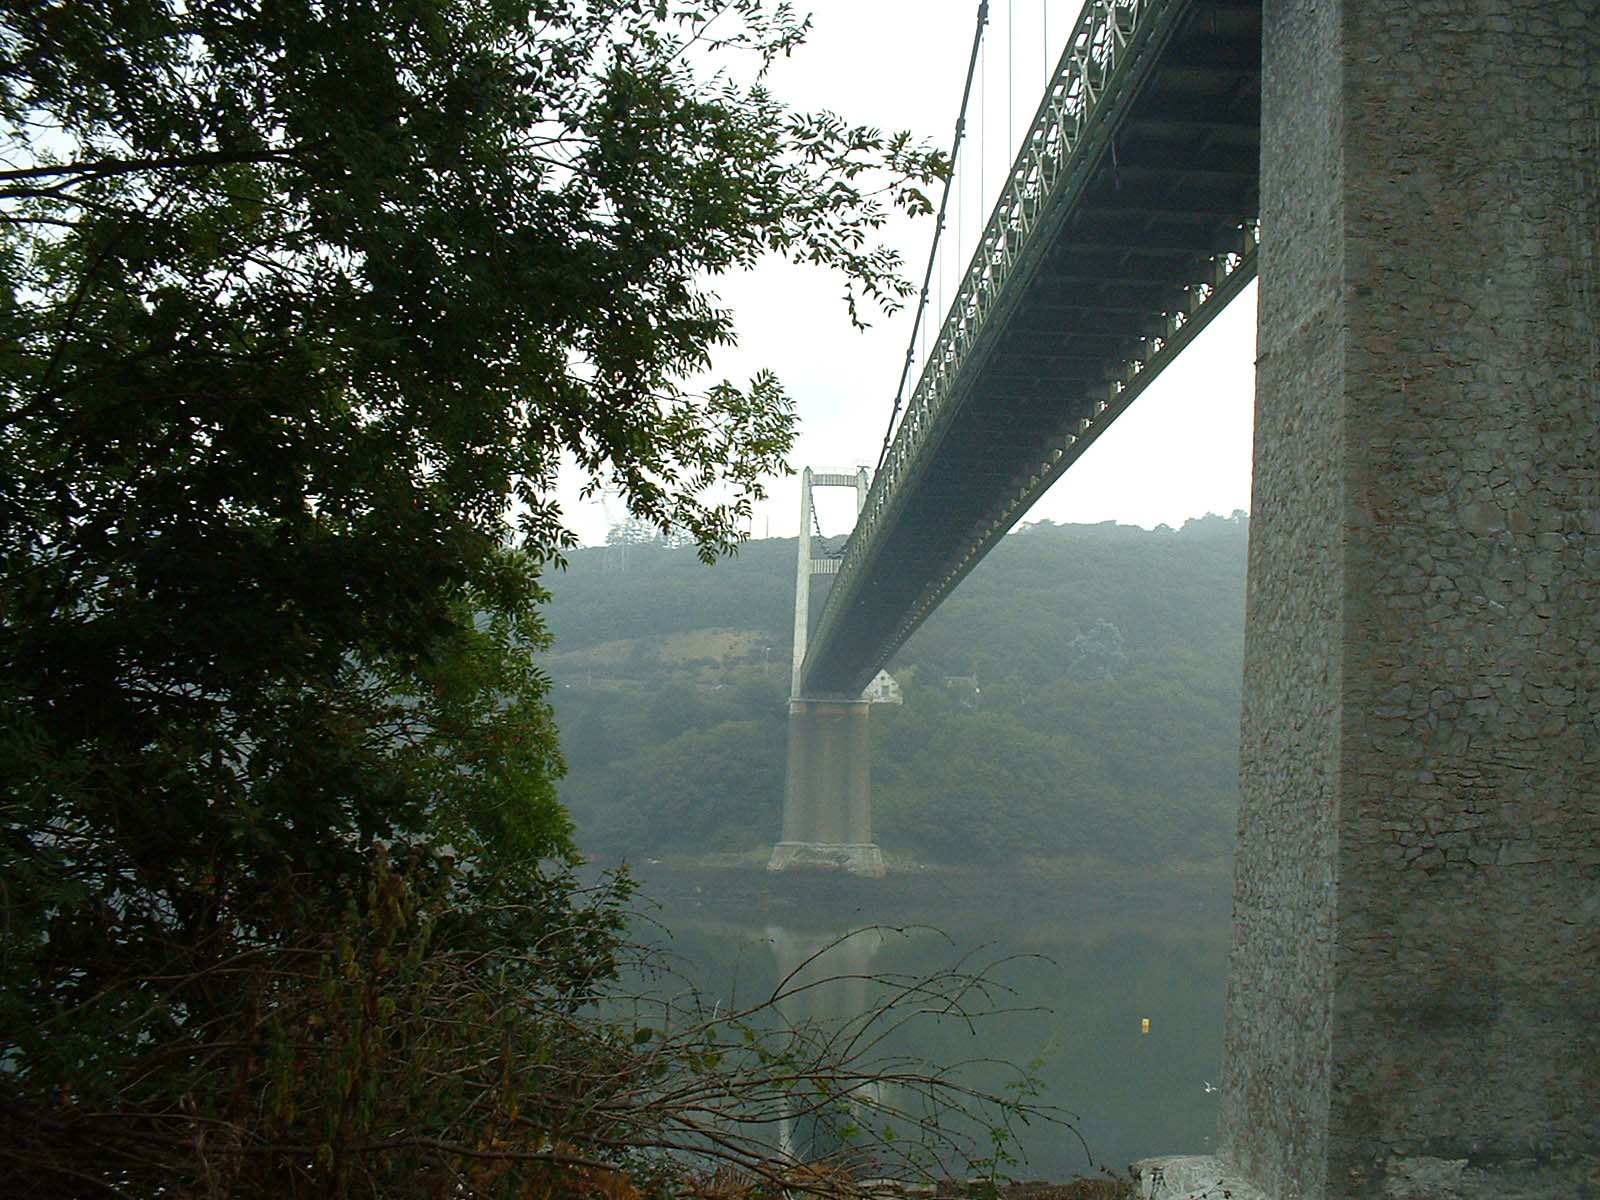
924 526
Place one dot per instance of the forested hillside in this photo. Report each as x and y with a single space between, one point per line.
1077 696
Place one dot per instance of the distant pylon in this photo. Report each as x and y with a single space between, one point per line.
827 797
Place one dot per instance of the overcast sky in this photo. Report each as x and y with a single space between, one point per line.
1181 450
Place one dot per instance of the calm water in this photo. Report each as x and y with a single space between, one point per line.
1086 965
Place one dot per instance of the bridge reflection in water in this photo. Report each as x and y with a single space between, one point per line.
1083 966
823 993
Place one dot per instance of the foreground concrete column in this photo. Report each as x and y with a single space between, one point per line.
1414 998
827 797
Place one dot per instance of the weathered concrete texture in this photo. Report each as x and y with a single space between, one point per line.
1417 905
1457 1179
827 796
1182 1177
1274 1101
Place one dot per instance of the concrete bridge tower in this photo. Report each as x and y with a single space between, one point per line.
827 793
1413 1007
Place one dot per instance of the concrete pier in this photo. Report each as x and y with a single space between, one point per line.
827 792
1414 995
827 789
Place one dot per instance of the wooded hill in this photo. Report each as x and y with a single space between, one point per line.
1077 696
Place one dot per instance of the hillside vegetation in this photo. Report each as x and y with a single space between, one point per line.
1077 696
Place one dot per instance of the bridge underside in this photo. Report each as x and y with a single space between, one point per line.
1147 237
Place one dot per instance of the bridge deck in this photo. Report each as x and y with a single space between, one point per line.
1128 223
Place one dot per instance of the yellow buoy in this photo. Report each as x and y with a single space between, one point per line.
1144 1025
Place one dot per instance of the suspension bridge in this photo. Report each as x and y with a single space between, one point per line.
1412 1008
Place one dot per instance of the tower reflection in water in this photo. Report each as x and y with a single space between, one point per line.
825 997
1073 970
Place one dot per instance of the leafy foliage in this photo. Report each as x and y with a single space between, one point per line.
373 1050
299 303
396 1050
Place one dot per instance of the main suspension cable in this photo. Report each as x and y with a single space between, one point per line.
933 253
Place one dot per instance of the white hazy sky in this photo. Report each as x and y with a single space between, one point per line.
1181 450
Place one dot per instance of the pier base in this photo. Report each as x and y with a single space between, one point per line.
827 856
1189 1178
1418 1178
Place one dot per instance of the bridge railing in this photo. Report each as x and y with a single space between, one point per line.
1108 33
1090 57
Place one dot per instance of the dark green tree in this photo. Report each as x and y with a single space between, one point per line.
299 303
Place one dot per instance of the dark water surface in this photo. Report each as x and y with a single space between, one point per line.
1088 962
